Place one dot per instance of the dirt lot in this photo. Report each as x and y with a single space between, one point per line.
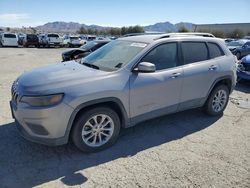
187 149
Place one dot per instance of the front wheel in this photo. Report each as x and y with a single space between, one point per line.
96 129
217 101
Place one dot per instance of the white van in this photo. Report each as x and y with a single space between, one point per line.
8 39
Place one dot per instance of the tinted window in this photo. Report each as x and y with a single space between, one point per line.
99 45
247 44
194 52
32 37
214 50
53 35
9 36
163 56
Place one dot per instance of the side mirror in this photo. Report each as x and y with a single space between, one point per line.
145 67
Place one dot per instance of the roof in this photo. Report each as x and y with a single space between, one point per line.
151 38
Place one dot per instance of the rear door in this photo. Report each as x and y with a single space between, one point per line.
199 71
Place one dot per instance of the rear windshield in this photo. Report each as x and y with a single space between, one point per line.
53 35
34 37
9 36
89 45
74 38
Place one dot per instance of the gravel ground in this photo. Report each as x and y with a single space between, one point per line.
187 149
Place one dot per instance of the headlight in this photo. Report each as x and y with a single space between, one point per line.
46 100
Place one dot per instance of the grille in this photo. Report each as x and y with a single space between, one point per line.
14 92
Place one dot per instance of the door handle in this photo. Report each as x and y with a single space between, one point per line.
212 67
175 75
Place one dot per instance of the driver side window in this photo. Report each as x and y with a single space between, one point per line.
163 56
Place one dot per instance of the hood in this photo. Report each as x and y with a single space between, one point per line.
58 76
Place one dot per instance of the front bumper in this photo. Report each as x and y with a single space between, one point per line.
46 126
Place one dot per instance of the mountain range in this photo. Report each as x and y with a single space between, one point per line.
72 27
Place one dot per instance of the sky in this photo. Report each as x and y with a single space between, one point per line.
18 13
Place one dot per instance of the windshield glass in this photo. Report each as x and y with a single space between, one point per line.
9 36
32 37
89 45
74 38
114 55
53 35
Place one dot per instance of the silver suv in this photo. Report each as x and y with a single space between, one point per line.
127 81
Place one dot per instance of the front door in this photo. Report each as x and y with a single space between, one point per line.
157 93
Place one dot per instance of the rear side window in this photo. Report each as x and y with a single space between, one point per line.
214 50
9 36
194 52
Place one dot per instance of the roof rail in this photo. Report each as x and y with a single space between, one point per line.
137 34
168 35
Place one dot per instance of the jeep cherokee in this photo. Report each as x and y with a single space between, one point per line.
129 80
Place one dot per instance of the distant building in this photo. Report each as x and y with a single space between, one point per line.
226 28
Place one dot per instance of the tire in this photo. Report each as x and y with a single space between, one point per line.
238 55
88 142
210 106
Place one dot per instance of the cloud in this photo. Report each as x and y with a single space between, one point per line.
17 20
13 17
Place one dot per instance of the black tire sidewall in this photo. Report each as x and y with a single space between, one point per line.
78 125
208 107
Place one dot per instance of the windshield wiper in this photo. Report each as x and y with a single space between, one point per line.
90 65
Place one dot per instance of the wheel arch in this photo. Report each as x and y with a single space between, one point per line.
111 102
226 80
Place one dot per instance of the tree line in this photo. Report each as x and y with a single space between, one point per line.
113 31
237 33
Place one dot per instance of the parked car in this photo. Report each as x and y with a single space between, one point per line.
88 37
8 39
42 40
83 51
20 37
127 81
227 40
243 71
30 40
239 48
73 41
53 39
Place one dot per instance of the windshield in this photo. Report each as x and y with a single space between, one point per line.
74 38
89 45
235 43
9 36
114 55
32 37
53 35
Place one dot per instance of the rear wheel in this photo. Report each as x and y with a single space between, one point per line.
96 129
217 101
